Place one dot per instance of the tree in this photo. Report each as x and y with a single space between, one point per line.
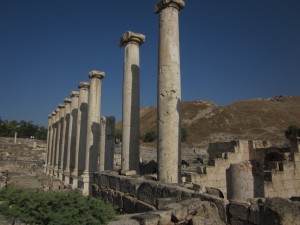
292 132
150 137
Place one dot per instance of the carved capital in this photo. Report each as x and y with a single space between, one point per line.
131 37
96 74
61 106
103 119
74 94
84 85
53 114
179 4
67 100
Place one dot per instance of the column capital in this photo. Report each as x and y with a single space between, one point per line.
49 116
61 106
67 100
96 74
103 119
179 4
74 94
131 37
53 113
84 85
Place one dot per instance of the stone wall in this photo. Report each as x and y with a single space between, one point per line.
282 177
270 211
132 194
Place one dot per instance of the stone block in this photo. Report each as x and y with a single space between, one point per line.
236 221
239 210
162 202
179 212
124 222
117 199
143 207
114 182
220 203
164 216
147 219
103 180
147 192
129 204
254 214
130 185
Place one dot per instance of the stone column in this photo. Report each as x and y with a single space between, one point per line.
71 147
93 130
169 92
54 142
64 137
59 140
107 143
131 101
51 168
81 132
245 180
48 152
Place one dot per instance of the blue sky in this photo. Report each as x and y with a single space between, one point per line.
230 50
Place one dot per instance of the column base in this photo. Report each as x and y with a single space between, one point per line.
87 184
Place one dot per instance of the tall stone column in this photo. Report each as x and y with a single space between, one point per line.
59 139
131 101
107 143
169 92
64 137
54 143
71 147
51 169
48 152
93 130
81 132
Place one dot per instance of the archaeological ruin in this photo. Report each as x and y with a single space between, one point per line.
241 182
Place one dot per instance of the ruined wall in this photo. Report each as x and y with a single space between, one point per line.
270 211
282 177
135 194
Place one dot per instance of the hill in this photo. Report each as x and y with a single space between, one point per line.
264 119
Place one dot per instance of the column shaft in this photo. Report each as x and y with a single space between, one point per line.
169 93
70 163
81 132
93 130
48 152
107 143
131 101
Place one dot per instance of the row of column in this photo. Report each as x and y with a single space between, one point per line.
168 96
81 148
73 142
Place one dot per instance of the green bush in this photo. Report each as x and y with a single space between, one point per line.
150 137
54 208
292 132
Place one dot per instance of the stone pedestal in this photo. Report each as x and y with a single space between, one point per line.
169 92
131 100
107 143
81 132
245 180
70 161
93 130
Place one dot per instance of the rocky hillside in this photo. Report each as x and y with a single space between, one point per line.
206 122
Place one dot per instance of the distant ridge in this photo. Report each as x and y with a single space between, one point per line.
205 121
